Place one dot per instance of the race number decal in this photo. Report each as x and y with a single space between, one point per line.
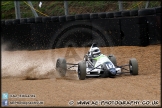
109 65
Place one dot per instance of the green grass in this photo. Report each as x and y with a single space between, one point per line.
56 8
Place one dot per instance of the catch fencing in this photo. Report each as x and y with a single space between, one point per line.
59 8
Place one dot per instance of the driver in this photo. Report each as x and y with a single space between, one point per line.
93 53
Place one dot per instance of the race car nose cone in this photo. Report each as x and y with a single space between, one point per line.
112 71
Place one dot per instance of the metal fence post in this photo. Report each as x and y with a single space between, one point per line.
147 4
32 9
17 9
120 5
66 7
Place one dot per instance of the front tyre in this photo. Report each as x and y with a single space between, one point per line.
112 59
133 66
82 70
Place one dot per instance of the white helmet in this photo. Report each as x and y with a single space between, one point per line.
95 52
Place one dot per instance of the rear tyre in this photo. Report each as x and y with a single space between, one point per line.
61 66
112 59
82 70
133 66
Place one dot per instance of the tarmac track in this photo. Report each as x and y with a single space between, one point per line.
33 72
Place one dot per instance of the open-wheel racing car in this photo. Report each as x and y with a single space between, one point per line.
97 64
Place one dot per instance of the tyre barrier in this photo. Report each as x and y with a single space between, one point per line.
134 12
38 20
102 15
93 16
2 23
46 19
70 18
86 16
30 20
145 12
158 10
109 15
117 14
134 31
8 22
135 27
125 13
23 20
16 21
62 18
154 27
78 17
55 18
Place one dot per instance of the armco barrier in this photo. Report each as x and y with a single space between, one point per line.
108 29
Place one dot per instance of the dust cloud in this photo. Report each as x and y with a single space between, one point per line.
27 64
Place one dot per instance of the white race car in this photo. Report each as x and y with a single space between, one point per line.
100 65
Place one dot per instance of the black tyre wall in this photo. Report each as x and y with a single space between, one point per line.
23 20
78 17
30 20
134 31
55 18
117 14
62 18
109 15
38 20
9 22
134 12
46 19
125 13
102 15
16 21
154 29
94 16
158 10
112 28
42 33
2 22
145 12
70 18
17 35
86 16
